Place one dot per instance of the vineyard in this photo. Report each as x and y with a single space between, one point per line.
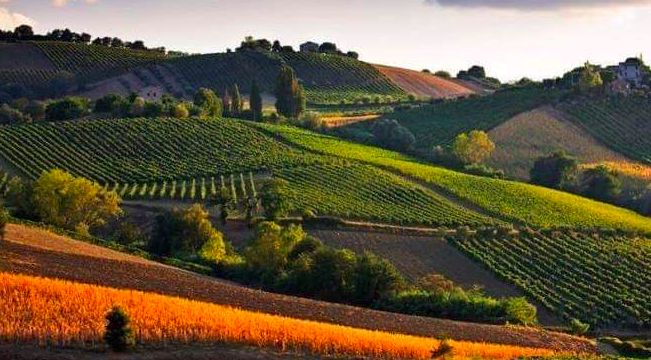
514 201
26 77
94 62
440 124
144 150
623 124
60 313
326 78
602 280
363 192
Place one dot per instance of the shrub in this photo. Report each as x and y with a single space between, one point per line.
68 108
118 334
180 111
268 250
108 103
306 246
556 171
473 148
274 198
578 328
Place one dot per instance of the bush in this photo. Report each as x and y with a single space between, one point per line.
9 116
473 148
118 334
483 170
578 328
180 111
392 135
556 171
66 109
273 198
108 103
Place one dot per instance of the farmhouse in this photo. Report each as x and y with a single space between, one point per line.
151 93
631 71
309 47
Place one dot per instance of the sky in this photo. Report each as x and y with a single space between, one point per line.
510 38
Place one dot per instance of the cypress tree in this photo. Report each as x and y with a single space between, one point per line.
118 335
226 102
290 97
256 102
236 104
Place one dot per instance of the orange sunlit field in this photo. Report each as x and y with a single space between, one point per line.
55 312
635 170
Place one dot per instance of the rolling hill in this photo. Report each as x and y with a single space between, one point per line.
35 252
424 84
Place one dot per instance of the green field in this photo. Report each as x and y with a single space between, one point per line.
510 200
601 280
326 78
435 125
623 124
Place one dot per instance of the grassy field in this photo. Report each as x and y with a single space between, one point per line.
540 132
36 252
439 124
602 280
519 202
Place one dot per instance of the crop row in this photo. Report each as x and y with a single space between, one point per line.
26 77
144 150
623 124
603 281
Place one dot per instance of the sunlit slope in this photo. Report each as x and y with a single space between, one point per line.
513 200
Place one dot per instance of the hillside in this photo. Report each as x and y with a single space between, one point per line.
621 124
540 132
518 202
39 253
423 84
438 125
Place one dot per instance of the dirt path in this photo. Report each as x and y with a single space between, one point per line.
17 257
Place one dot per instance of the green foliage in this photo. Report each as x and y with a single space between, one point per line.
590 79
273 198
268 250
71 203
601 280
392 135
557 171
375 278
187 232
108 103
601 183
118 333
236 100
66 109
180 111
473 148
208 103
578 328
11 116
290 99
4 220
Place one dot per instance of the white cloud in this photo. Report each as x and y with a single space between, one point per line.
61 3
9 20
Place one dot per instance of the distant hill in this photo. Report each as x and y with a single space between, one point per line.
424 84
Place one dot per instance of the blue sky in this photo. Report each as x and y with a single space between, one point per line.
511 38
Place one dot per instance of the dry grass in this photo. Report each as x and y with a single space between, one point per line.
524 138
61 313
627 168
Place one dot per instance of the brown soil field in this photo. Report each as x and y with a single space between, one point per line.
22 57
522 139
29 254
422 84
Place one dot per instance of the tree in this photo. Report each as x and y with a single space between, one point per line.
601 183
117 42
236 101
226 103
68 108
556 171
328 48
375 279
255 102
107 103
180 111
590 79
273 198
187 232
85 38
9 115
352 55
473 148
290 97
276 46
73 203
24 32
36 109
208 103
224 199
333 274
444 74
477 72
118 334
268 250
389 133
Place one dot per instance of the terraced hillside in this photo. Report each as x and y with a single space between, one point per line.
439 124
600 279
622 124
518 202
326 78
